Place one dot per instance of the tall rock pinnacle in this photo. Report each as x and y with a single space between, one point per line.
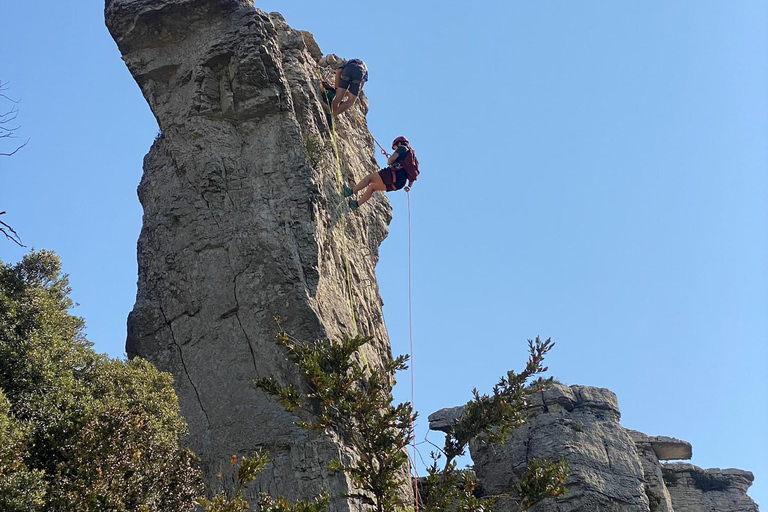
243 222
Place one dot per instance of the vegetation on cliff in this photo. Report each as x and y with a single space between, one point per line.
81 431
355 402
78 430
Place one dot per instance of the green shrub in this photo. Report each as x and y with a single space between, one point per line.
355 402
315 149
707 482
20 487
248 469
670 477
88 432
542 479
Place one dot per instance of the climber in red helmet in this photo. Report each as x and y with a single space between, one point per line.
402 166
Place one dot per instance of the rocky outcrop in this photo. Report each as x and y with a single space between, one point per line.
648 453
708 490
610 468
243 222
580 424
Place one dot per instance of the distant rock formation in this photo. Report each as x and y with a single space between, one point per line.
242 222
695 489
611 468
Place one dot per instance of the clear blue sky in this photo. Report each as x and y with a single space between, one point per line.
591 171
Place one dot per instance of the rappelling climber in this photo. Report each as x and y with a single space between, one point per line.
349 79
402 166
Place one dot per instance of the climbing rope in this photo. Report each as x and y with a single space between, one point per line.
383 151
340 182
410 334
339 185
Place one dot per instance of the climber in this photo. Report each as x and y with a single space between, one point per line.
350 77
402 166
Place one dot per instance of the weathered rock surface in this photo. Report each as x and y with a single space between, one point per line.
243 222
610 468
655 490
708 490
669 448
580 424
444 419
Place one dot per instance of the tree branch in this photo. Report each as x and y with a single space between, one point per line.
15 150
13 235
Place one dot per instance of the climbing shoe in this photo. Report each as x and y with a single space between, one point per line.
346 190
353 204
329 91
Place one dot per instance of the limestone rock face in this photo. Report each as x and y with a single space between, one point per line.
708 490
611 468
444 419
655 489
580 424
243 222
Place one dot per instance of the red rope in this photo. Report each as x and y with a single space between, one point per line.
383 151
410 332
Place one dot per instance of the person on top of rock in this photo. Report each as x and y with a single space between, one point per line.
350 77
402 166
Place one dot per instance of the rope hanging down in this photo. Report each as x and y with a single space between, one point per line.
339 184
410 334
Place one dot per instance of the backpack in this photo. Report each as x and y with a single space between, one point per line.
411 165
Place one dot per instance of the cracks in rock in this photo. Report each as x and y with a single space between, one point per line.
227 314
184 365
607 455
236 310
528 442
226 186
183 170
168 322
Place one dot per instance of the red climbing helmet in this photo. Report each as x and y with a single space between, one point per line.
400 139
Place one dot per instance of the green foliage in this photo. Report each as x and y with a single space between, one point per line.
542 479
247 471
355 403
450 489
101 434
491 418
268 504
20 487
669 476
707 482
315 149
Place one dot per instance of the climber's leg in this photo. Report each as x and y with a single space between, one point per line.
340 93
373 187
370 179
343 100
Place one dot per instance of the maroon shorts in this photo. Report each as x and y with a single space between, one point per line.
394 179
